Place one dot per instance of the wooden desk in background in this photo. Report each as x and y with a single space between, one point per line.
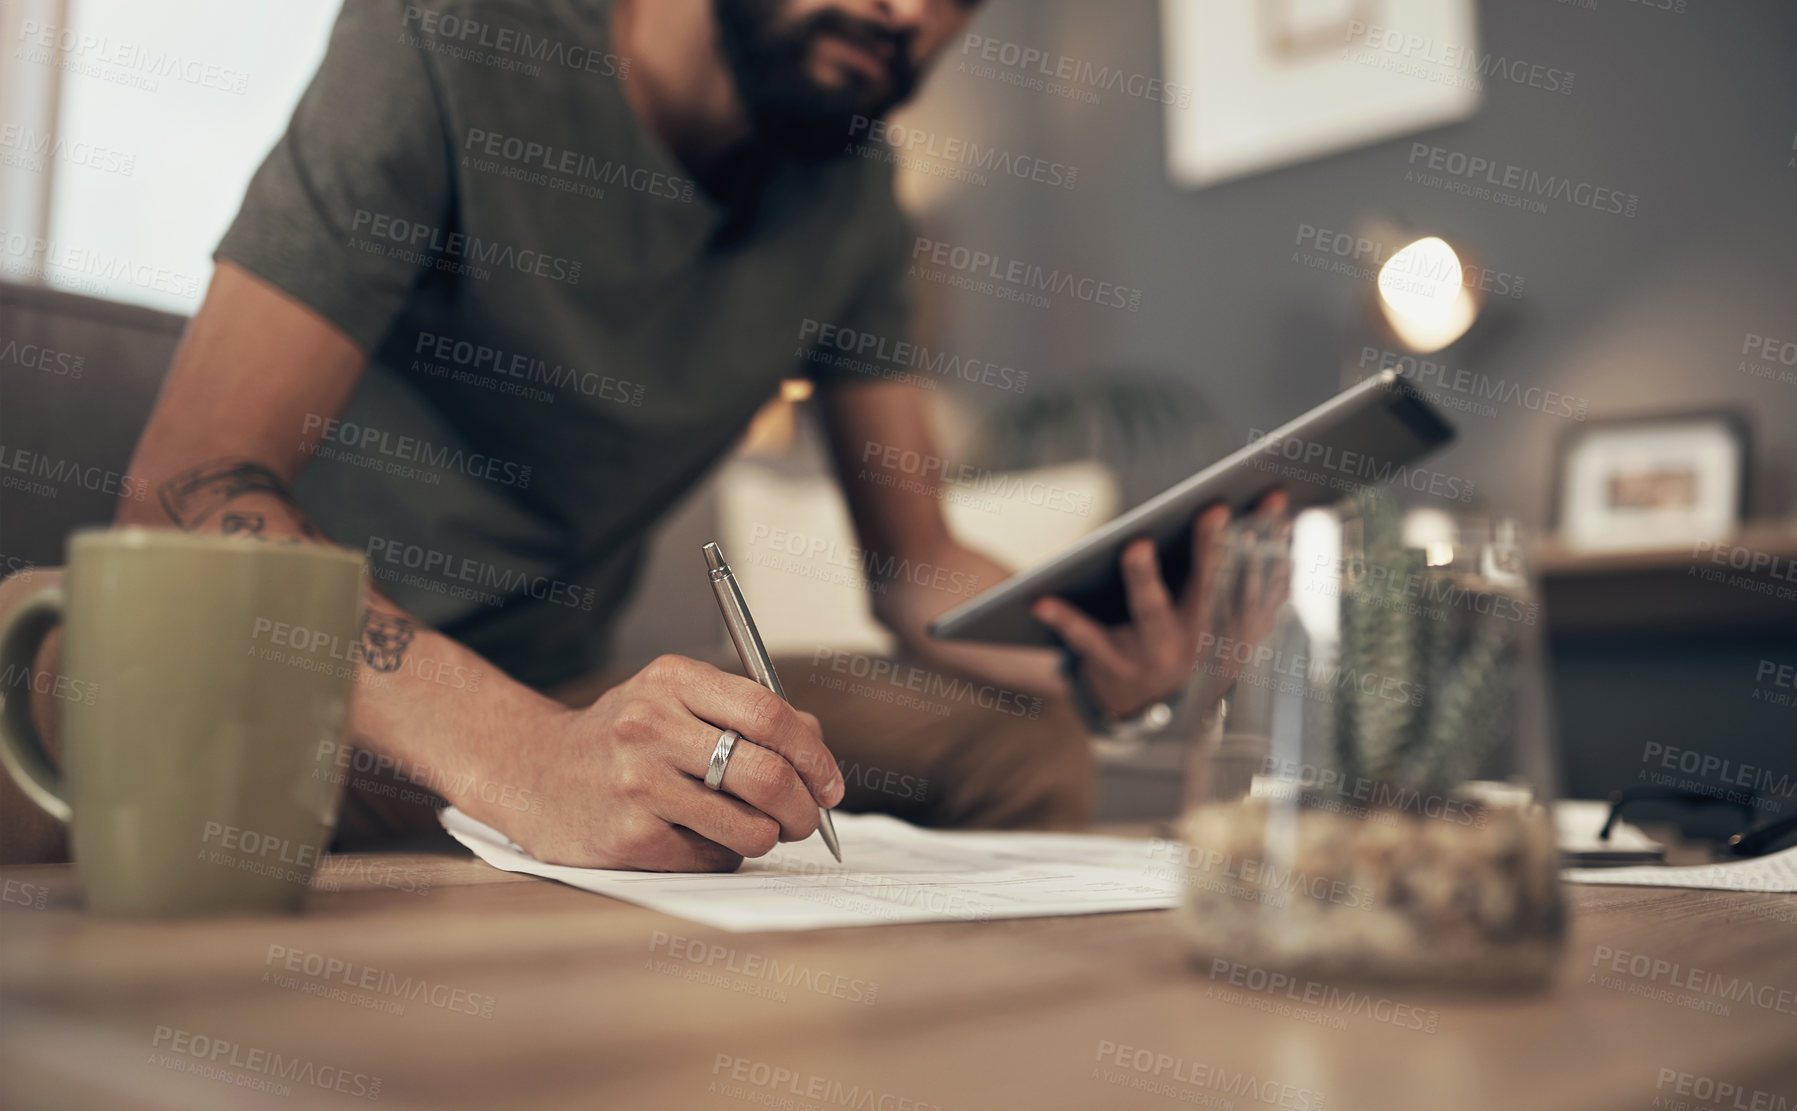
598 1004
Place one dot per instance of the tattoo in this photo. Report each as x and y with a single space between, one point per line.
248 524
192 497
385 638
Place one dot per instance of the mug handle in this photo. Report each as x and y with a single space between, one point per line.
21 749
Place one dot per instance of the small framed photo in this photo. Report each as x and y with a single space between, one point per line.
1652 482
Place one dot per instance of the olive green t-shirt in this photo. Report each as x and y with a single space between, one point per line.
564 332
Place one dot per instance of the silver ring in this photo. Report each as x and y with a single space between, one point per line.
720 759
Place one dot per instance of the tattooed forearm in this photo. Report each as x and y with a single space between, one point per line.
193 496
385 638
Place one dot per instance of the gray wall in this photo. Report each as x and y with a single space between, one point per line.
1694 112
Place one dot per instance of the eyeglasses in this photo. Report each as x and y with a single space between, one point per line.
1752 840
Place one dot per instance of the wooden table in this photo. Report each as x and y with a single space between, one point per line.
595 1003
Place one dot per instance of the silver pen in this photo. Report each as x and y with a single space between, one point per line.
754 655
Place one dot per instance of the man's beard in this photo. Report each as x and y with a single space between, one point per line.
791 113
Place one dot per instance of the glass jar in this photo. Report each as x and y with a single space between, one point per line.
1371 794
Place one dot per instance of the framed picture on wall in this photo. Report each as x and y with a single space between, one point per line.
1254 85
1652 482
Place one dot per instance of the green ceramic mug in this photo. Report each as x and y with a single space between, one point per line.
205 681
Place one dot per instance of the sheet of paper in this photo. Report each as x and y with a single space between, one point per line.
895 872
1577 823
1773 872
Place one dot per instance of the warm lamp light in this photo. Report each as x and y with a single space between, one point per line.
1424 297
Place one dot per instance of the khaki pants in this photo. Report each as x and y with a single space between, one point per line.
933 748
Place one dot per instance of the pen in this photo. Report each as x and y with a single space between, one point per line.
754 654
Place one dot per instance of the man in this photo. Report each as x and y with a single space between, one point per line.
515 277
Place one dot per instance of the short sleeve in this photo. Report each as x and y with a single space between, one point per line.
362 172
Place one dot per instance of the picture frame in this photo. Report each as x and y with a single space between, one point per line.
1654 481
1257 85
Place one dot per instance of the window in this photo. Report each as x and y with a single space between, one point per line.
128 131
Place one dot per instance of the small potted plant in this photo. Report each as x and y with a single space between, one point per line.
1394 824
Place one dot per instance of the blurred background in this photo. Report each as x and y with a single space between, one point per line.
1617 178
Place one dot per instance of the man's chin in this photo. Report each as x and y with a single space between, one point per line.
824 125
847 81
809 136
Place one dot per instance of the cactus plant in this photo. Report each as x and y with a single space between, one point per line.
1401 620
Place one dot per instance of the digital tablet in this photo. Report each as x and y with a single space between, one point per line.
1366 435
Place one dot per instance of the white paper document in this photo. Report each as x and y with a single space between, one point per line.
1577 823
894 872
1775 872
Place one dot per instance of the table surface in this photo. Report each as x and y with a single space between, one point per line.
590 1002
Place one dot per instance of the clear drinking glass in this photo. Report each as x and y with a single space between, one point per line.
1371 794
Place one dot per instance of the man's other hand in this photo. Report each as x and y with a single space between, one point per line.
1152 657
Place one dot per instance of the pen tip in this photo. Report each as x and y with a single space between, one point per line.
714 557
827 830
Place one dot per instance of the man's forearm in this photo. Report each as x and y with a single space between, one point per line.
907 608
430 709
